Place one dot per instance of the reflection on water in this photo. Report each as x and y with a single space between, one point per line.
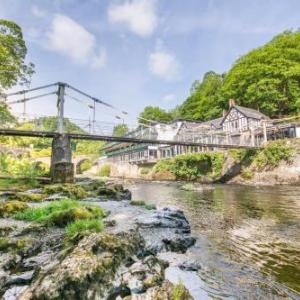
248 237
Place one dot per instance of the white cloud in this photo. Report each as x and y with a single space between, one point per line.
138 15
169 98
69 38
164 64
37 11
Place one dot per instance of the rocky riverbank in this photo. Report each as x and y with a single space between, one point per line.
278 163
127 259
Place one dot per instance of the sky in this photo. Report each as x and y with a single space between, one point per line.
134 53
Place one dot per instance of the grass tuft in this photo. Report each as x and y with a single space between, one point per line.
61 213
81 227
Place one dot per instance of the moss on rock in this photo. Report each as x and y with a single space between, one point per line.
88 270
69 190
8 208
28 197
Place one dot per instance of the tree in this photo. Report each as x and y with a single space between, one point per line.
154 113
5 116
120 130
13 51
205 100
268 78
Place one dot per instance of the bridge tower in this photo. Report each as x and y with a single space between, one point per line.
62 168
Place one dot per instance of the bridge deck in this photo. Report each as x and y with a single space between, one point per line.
50 134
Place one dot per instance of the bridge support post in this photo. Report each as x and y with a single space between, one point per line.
62 168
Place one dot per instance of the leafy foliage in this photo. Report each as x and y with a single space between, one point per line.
12 55
154 113
274 153
193 166
204 100
268 77
86 165
104 171
120 130
24 166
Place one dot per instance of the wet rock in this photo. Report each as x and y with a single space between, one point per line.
166 230
89 270
14 292
180 244
165 218
37 261
20 279
191 266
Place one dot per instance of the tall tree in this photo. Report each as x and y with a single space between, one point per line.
205 100
120 130
13 68
152 114
268 78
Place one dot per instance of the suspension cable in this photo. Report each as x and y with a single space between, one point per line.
31 90
30 98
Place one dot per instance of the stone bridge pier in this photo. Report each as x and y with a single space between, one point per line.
62 168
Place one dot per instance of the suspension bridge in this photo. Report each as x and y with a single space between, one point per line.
85 129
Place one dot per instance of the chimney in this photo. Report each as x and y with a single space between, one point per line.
224 112
231 102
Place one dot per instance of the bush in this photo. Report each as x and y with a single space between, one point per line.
247 173
85 165
83 226
104 171
12 166
145 170
193 166
274 153
61 213
41 152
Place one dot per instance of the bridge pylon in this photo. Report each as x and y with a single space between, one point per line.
62 168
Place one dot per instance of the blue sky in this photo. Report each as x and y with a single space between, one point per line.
133 53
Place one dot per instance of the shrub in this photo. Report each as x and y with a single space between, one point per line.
145 170
193 166
11 166
61 213
104 171
247 173
85 165
83 226
274 152
41 152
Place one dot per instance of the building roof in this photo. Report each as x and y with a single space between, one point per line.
250 112
214 122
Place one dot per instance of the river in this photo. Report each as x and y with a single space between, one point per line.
248 238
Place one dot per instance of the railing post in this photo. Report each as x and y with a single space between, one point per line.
60 107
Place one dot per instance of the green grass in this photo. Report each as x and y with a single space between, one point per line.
81 227
17 184
180 292
61 213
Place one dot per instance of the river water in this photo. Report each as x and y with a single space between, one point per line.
248 238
